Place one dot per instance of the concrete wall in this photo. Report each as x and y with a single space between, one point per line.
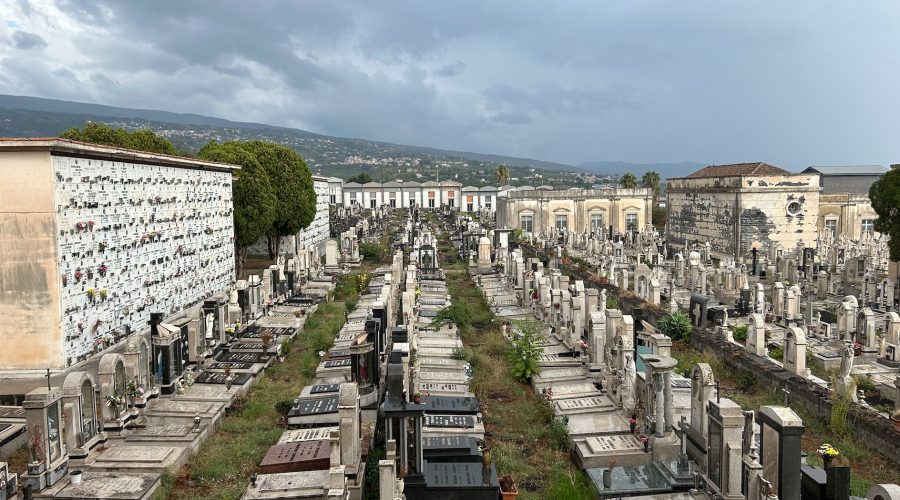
29 280
736 214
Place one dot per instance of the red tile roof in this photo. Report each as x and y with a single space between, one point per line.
738 169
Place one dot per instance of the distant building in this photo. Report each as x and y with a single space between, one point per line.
844 206
853 179
547 210
743 206
430 194
475 199
335 191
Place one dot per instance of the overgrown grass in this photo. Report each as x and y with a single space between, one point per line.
222 467
526 443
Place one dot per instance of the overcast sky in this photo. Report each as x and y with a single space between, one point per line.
792 83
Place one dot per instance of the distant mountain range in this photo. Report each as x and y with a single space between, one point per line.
22 116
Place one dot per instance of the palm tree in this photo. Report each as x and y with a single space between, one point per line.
502 175
650 180
629 181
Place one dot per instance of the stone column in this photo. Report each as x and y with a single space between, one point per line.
667 381
659 405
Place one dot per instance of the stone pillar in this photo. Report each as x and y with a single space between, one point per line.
667 381
659 404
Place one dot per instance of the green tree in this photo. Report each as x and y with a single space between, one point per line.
253 197
295 198
676 326
141 140
885 197
650 180
628 181
502 175
361 178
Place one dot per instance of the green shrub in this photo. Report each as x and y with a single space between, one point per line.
740 332
525 350
283 407
676 326
865 383
371 251
777 353
559 434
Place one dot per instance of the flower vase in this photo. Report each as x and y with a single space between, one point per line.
607 478
486 457
826 461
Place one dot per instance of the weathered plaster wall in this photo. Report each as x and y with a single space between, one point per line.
29 288
736 214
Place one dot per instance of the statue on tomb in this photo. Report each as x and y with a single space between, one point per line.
233 298
749 434
845 385
209 325
629 380
846 362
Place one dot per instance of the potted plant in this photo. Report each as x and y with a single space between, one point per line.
417 398
102 270
508 488
91 294
103 293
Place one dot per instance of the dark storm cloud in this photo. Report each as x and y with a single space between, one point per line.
27 41
793 83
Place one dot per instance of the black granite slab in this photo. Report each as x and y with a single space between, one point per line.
450 421
324 388
318 406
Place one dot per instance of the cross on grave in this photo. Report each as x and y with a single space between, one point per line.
48 379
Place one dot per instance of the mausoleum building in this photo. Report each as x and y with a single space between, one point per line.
95 238
547 210
743 206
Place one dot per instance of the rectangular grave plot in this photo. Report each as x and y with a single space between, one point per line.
339 353
324 388
450 421
233 366
450 405
319 406
297 456
336 363
244 357
459 475
219 378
